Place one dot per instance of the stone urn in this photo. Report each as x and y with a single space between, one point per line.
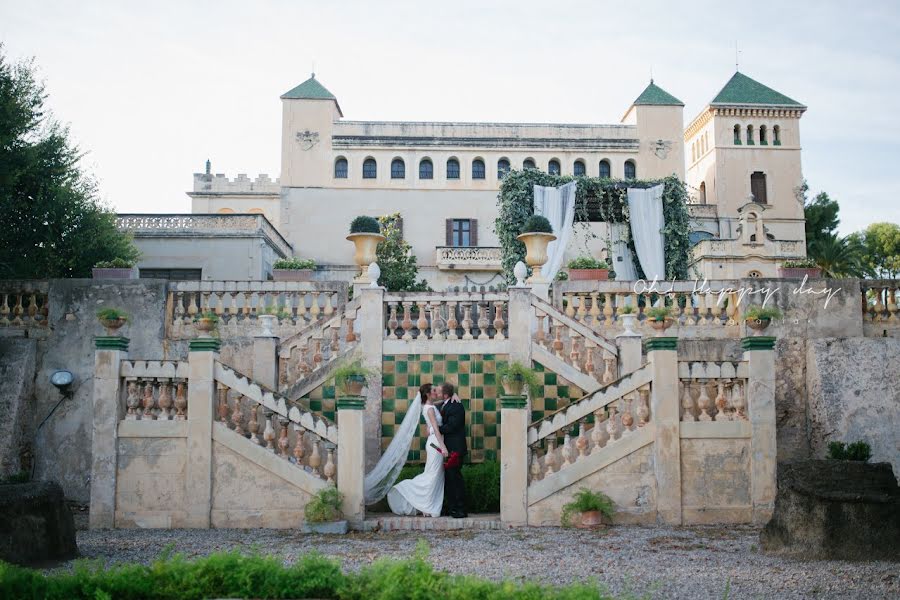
365 243
113 325
204 325
590 519
660 324
267 322
628 323
513 386
536 252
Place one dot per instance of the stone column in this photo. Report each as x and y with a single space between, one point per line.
107 412
664 414
760 354
514 460
351 456
371 333
521 324
200 414
265 361
630 356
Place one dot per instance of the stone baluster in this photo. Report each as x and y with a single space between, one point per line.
499 323
627 416
550 457
17 312
581 313
181 402
892 304
687 401
589 356
720 402
314 308
269 433
879 304
643 409
149 402
557 345
245 310
535 468
165 399
302 310
738 401
192 307
539 335
731 310
574 354
407 321
594 312
581 442
452 323
233 310
222 404
132 401
608 369
703 402
437 322
219 307
237 416
317 354
351 334
719 309
299 450
612 427
329 307
421 322
283 442
253 424
570 305
608 309
392 322
329 470
467 321
4 311
484 321
335 345
315 458
598 434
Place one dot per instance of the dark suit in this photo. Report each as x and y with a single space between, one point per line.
453 415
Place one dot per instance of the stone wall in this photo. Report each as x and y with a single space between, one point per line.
17 364
150 479
715 480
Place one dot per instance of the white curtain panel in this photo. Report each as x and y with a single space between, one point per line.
645 207
558 206
622 262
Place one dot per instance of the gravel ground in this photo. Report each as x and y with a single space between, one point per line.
655 562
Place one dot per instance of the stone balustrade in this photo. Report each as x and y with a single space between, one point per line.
879 301
474 258
155 390
713 391
24 304
446 316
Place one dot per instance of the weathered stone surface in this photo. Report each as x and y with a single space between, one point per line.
35 523
17 363
835 510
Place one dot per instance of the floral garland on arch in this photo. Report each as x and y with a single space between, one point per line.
596 199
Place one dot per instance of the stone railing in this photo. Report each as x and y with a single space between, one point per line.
155 390
446 316
238 304
880 300
713 391
24 304
476 258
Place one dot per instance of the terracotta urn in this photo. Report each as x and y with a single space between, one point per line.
590 519
204 325
513 386
661 324
536 252
588 274
365 243
113 325
292 274
758 324
354 385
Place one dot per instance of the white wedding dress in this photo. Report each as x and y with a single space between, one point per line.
424 492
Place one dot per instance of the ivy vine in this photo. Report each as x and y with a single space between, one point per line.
596 199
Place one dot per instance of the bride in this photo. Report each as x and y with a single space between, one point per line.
424 493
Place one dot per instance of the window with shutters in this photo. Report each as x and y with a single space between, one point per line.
605 170
758 187
478 170
579 168
452 169
462 233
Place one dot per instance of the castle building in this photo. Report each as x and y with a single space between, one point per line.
443 179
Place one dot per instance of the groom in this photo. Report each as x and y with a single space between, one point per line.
453 429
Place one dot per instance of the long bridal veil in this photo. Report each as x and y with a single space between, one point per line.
383 475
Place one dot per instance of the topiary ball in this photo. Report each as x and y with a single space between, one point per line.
363 224
537 224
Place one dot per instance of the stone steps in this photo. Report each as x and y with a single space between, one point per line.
391 522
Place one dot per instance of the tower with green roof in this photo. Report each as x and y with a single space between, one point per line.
659 117
309 111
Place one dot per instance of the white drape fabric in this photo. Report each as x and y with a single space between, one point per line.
558 206
383 475
645 208
622 261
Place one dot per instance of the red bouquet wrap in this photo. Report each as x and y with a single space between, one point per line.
454 461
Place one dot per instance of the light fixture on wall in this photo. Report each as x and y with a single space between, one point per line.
62 380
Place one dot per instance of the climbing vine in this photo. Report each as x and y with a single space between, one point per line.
596 199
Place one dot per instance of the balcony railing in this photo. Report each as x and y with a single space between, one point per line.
472 258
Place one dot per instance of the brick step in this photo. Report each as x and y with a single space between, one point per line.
391 522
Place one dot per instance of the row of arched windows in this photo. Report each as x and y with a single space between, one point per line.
426 168
762 136
699 147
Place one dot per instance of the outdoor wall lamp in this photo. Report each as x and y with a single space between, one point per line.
62 380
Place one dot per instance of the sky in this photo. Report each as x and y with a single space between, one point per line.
152 89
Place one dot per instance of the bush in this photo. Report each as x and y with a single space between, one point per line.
363 224
759 313
587 262
658 313
116 263
860 451
294 264
396 259
805 263
325 506
537 224
516 371
584 501
111 314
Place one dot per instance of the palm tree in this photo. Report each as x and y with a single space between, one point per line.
839 257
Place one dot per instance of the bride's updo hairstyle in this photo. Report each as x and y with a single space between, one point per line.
424 391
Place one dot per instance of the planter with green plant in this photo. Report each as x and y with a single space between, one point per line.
660 317
627 315
515 376
351 377
323 513
537 233
798 269
293 269
759 317
206 322
592 509
588 268
117 268
112 319
365 233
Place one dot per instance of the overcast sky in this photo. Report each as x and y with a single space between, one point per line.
153 89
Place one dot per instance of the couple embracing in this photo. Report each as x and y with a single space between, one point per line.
445 417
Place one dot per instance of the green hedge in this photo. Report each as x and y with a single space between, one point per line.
482 486
231 575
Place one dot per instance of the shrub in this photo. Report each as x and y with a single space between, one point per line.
628 309
658 313
587 262
804 263
860 451
116 263
516 371
396 259
363 224
584 501
562 276
759 313
294 264
537 224
111 314
350 370
325 506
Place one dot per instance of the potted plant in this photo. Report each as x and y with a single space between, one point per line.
660 317
293 269
323 512
514 376
112 319
117 268
627 315
536 234
206 322
365 233
758 317
351 377
588 268
798 269
593 508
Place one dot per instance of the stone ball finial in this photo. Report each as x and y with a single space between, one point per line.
374 272
521 272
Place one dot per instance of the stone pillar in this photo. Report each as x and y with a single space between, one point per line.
630 356
760 354
200 414
371 337
514 460
521 324
107 412
265 361
665 415
351 456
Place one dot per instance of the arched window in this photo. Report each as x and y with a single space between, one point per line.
477 169
578 168
370 169
762 136
553 167
694 152
340 168
605 170
398 169
737 135
776 135
630 170
502 168
750 141
426 169
452 168
529 164
754 274
758 187
702 192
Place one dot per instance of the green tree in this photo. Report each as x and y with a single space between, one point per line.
396 259
882 244
840 257
821 215
52 223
